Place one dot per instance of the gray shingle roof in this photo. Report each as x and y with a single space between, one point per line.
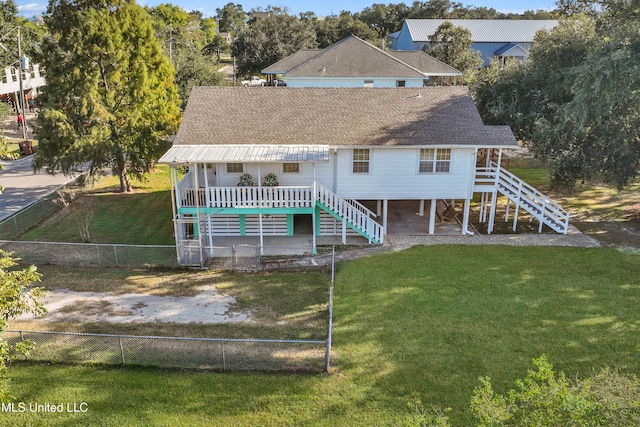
483 30
427 64
359 58
337 117
291 61
353 57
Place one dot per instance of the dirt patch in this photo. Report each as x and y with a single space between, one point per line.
207 306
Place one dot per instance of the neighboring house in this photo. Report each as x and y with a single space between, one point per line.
499 39
338 155
32 79
352 62
227 37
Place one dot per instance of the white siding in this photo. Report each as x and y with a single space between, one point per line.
323 172
393 174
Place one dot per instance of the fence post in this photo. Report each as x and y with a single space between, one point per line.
15 225
224 361
121 350
46 252
327 357
115 254
98 252
233 257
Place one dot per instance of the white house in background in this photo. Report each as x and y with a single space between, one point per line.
338 155
495 38
32 78
352 62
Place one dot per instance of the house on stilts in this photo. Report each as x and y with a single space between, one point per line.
330 162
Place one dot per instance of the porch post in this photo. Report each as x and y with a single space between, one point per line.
379 208
465 217
432 216
385 211
313 218
173 173
208 200
421 208
260 210
197 225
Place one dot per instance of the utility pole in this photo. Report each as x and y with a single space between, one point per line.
21 101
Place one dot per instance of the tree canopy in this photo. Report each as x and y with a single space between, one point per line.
576 103
110 99
265 41
452 45
17 296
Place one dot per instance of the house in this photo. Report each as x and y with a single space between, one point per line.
352 62
499 39
341 158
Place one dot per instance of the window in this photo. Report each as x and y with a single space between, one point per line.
235 168
401 83
368 83
361 160
433 160
291 167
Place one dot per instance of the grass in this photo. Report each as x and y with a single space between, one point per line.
418 324
140 217
282 305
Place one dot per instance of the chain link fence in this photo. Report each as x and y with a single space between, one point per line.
235 257
26 218
175 352
91 255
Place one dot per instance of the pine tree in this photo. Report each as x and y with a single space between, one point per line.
110 100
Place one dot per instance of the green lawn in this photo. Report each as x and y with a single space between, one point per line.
419 324
141 217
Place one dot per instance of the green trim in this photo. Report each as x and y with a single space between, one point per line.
289 224
317 218
243 225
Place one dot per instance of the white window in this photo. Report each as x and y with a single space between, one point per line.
434 160
361 160
368 83
291 167
401 83
235 168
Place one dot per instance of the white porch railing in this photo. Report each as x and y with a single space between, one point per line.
525 196
357 216
249 197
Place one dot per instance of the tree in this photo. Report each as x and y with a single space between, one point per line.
110 100
231 18
216 47
576 103
16 297
384 19
194 69
265 41
545 398
452 45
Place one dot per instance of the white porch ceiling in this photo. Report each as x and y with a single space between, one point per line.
188 154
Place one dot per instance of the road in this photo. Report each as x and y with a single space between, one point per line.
21 185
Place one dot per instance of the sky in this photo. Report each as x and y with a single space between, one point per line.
321 8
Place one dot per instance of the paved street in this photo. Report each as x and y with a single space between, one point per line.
21 185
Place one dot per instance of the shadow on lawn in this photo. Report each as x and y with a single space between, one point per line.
427 322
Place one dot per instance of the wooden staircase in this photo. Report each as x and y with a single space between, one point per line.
524 196
355 215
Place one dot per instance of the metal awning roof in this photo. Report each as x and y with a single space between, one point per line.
189 154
